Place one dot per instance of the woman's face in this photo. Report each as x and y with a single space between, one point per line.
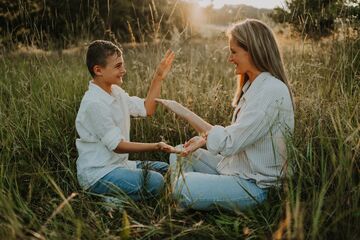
239 57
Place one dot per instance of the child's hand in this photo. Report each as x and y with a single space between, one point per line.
174 106
192 145
167 148
165 64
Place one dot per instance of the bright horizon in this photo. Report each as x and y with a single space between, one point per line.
269 4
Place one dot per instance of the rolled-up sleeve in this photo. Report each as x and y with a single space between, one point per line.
137 106
103 127
253 123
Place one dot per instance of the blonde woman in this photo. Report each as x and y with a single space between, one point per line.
246 158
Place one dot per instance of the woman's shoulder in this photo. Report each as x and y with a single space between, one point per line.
274 85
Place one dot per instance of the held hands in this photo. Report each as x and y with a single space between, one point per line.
164 66
192 145
167 148
173 106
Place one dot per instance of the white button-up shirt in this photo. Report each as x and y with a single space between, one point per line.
254 145
103 120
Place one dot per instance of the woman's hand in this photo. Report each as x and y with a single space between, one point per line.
161 146
164 66
192 145
174 106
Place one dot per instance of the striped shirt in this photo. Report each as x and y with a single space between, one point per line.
254 145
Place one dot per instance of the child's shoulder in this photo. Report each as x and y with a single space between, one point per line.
117 89
91 99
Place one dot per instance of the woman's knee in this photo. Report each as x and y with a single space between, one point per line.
183 190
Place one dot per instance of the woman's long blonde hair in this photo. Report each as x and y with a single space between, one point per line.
258 39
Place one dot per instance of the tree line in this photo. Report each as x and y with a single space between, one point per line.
41 22
318 18
59 24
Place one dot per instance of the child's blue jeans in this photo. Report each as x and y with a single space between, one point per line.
141 183
196 184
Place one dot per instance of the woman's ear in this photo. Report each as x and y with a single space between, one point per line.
97 70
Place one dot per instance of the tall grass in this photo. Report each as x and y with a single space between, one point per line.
39 194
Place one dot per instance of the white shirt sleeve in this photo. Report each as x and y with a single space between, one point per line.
255 121
103 126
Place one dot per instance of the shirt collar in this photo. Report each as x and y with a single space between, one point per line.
245 87
101 93
252 89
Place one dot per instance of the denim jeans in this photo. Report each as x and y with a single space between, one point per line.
196 184
143 182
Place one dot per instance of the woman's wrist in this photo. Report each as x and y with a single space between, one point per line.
204 135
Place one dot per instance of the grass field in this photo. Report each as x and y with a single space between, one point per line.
39 193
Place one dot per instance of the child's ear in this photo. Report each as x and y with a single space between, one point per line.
97 70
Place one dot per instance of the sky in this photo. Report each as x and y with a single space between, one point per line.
255 3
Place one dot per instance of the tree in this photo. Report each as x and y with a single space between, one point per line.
63 23
316 18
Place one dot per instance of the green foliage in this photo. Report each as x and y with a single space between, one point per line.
63 23
317 18
39 98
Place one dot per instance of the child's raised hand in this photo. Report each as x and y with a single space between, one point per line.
167 148
165 64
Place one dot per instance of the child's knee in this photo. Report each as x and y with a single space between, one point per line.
156 183
162 167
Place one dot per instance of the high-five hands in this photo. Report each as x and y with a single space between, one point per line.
164 66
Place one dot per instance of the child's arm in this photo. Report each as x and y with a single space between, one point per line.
199 124
155 87
132 147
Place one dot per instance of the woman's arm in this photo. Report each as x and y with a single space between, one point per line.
132 147
199 124
155 87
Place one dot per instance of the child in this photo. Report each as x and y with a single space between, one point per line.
103 124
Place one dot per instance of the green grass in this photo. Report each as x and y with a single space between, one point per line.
40 95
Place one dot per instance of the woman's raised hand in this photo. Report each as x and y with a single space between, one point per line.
192 145
174 106
164 66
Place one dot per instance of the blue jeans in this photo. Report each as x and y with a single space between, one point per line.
141 183
196 184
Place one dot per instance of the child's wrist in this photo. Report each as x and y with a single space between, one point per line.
158 77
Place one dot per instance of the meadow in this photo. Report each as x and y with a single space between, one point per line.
39 97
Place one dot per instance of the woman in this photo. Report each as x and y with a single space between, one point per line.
246 158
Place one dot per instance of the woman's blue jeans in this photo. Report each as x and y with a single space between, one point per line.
196 184
143 182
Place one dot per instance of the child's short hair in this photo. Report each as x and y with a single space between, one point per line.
97 53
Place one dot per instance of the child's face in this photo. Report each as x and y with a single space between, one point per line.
114 70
